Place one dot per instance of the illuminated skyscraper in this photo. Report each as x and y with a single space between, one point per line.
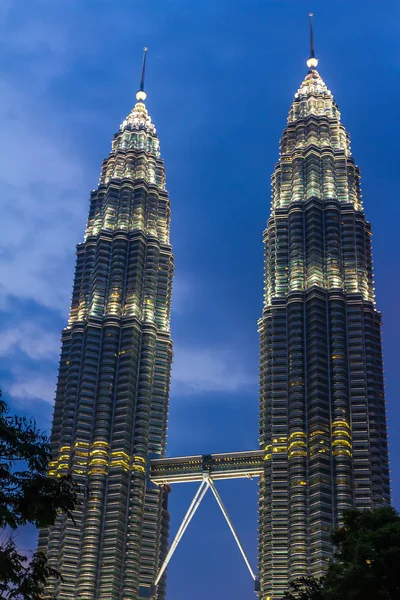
111 406
322 407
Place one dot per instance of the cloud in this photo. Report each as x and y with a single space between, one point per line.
197 371
183 293
42 173
41 216
34 341
37 388
45 176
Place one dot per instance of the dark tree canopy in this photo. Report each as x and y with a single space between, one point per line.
367 556
27 495
305 588
366 564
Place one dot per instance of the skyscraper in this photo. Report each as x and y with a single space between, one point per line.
322 407
111 406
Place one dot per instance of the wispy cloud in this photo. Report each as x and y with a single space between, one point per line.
200 370
39 221
34 341
183 292
194 372
41 172
42 218
37 388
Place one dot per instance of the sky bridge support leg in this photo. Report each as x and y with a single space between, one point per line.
198 497
231 527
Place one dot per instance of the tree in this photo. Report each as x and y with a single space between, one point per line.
366 560
305 588
367 557
27 495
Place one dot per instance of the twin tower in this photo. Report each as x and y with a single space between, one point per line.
323 440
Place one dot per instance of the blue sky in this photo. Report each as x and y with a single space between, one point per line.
221 76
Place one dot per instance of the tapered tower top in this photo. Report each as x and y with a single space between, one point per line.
141 94
139 118
312 62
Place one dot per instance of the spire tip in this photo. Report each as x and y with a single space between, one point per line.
312 62
141 94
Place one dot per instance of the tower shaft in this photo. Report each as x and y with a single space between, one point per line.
111 406
322 409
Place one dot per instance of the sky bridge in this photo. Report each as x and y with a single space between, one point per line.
229 465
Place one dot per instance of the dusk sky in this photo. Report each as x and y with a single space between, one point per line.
221 76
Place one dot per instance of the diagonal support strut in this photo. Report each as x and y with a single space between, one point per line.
206 483
198 497
231 527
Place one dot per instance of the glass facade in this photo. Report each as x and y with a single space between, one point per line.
111 406
322 406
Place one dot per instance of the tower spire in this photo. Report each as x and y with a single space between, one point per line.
312 53
141 94
312 62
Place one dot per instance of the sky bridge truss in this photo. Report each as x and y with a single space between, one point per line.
230 465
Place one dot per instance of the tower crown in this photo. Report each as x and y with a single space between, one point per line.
315 154
313 84
137 131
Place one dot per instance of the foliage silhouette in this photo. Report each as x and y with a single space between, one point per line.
366 560
27 495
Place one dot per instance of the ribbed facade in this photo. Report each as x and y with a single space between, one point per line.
111 406
322 407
